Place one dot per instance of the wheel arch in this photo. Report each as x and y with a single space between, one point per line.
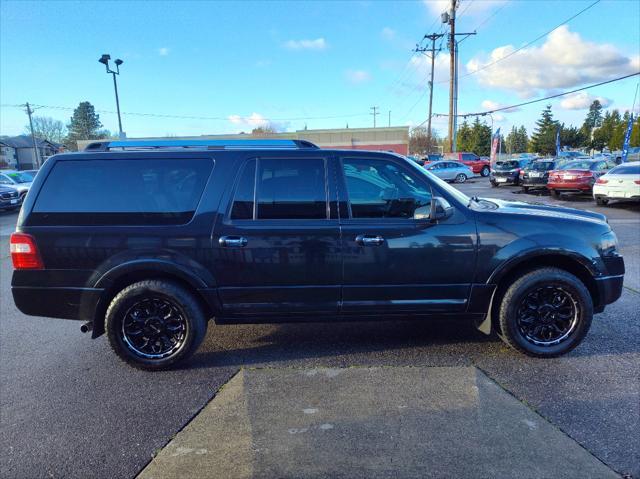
116 279
507 274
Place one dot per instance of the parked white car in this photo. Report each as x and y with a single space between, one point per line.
619 183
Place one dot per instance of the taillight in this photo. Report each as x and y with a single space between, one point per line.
24 252
601 181
521 173
637 182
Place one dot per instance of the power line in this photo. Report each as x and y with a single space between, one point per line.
484 67
183 117
541 99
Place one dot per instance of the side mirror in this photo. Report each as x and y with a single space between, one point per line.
440 209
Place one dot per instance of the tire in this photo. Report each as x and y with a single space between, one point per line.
537 337
461 178
554 194
484 172
494 184
151 302
602 201
525 189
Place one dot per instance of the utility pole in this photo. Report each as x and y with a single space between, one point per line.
374 113
389 118
433 37
33 137
451 17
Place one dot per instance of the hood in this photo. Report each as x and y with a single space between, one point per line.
540 209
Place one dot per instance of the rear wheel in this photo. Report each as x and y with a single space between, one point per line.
155 324
545 313
494 184
485 171
525 189
602 201
554 194
461 178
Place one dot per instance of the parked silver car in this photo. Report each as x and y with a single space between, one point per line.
450 170
16 179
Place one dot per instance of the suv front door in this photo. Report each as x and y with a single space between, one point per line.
277 250
396 259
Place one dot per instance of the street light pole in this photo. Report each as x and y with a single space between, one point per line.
104 59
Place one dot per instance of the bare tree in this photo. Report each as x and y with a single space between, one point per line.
265 130
47 128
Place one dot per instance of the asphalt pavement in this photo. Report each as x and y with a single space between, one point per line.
70 408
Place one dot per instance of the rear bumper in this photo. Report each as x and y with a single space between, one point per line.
529 182
66 303
566 186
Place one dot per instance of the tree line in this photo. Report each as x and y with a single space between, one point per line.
599 131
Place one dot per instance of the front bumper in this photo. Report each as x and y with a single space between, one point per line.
610 286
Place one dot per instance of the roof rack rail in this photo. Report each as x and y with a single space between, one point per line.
202 144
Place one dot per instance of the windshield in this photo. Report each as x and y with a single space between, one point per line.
577 165
507 165
541 165
457 194
20 177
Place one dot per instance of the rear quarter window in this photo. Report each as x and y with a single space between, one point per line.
106 192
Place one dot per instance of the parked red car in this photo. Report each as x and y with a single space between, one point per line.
577 176
478 165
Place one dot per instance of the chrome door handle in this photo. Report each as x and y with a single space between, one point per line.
232 241
369 240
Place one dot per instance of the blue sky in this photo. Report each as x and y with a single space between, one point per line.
323 64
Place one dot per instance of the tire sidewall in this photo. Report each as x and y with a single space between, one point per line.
570 284
485 171
461 178
137 292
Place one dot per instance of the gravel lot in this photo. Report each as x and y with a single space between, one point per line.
69 408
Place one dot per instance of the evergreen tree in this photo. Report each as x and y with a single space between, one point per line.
523 140
84 125
480 138
571 137
543 139
511 140
602 136
463 137
594 117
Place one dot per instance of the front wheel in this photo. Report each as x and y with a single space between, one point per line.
461 178
545 313
155 324
485 171
554 194
525 189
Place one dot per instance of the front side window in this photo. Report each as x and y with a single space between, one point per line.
127 191
291 188
381 189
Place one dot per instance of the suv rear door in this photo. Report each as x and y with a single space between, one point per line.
277 249
395 258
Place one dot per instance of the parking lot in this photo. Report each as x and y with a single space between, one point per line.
70 408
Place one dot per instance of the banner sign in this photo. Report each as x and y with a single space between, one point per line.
558 148
495 139
627 138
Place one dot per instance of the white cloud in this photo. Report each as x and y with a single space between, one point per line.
317 44
388 33
582 100
563 61
357 76
494 105
163 52
253 121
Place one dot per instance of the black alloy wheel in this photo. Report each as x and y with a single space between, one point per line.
154 328
547 315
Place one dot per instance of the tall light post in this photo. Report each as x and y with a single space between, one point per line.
104 59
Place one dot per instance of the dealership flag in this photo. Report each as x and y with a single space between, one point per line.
627 138
558 142
494 147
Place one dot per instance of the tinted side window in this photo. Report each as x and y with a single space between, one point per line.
292 188
96 192
625 170
468 157
243 200
381 189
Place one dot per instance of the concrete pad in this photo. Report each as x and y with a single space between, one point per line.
370 422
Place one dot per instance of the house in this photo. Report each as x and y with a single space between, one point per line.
17 152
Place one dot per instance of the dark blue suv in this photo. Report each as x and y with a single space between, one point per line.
147 241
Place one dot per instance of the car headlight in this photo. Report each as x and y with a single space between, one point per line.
608 244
